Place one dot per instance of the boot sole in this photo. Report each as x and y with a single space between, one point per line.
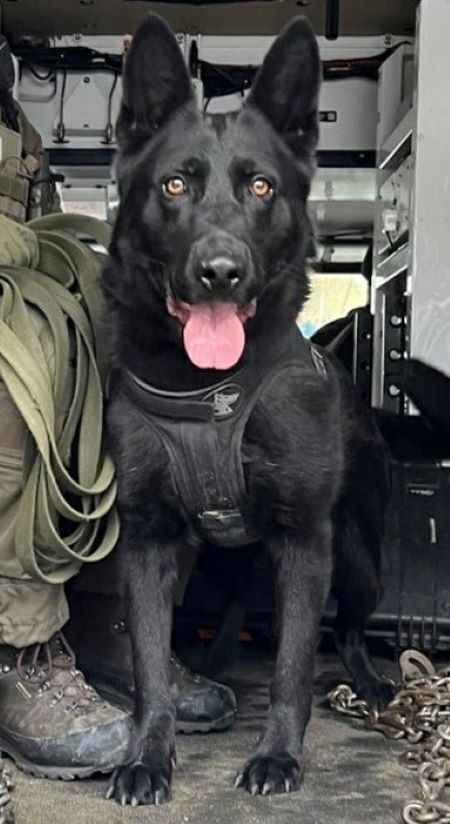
220 724
52 773
123 702
71 773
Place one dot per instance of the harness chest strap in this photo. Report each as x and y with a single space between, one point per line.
202 434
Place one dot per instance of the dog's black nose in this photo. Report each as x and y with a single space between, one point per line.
221 273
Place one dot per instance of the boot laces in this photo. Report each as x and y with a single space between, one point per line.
52 665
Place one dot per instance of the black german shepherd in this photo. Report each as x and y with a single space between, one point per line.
205 281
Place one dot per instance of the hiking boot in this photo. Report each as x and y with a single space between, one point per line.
201 705
53 724
105 656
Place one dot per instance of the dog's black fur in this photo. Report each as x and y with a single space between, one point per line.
315 464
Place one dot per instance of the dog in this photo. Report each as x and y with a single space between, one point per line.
205 280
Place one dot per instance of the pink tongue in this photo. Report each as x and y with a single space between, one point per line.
214 336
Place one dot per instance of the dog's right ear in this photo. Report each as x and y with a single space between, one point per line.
155 82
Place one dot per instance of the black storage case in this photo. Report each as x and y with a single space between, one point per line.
415 609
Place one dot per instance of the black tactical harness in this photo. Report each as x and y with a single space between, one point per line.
202 433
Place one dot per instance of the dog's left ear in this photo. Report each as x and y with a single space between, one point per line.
155 80
287 86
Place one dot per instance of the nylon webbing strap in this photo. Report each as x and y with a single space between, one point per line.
66 514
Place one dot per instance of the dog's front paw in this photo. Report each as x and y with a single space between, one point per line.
264 774
141 783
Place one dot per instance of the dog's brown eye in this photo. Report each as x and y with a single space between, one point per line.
175 186
260 187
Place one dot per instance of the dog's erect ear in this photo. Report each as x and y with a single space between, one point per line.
287 86
155 81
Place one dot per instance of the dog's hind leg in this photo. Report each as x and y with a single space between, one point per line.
357 587
303 568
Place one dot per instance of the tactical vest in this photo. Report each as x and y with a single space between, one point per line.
202 433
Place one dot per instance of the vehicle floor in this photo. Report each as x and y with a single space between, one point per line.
352 775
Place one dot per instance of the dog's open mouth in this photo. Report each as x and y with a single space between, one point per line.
213 334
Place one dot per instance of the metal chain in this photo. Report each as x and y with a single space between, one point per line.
6 785
419 713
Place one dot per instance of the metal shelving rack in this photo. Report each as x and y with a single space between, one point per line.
411 283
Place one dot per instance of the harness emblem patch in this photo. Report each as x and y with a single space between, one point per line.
226 400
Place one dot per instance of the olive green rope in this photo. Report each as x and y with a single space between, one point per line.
66 513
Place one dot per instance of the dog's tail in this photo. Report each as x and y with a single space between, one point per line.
429 390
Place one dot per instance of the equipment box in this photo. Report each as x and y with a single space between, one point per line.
415 609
